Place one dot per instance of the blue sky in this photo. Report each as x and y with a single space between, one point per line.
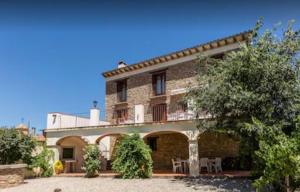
52 53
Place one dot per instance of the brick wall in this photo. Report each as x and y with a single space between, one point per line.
140 90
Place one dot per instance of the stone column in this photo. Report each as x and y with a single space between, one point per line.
194 158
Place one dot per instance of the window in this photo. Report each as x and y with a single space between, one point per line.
159 113
152 142
68 153
182 106
159 83
122 115
122 90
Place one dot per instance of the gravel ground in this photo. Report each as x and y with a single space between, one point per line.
79 184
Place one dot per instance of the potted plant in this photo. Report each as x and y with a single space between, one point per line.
58 167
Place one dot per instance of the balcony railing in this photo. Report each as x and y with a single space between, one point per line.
177 116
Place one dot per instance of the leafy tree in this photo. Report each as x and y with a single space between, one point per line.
259 82
133 158
281 153
92 163
15 146
42 160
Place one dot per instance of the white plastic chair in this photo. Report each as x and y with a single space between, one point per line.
218 165
176 166
204 164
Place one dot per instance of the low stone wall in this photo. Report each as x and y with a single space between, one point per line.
11 175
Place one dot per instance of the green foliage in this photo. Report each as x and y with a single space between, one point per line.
279 151
255 93
92 163
15 146
259 80
42 160
133 158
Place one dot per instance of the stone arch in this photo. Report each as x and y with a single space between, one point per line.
107 144
167 145
71 152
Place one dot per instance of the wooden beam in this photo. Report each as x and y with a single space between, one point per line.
200 48
239 38
222 42
214 44
230 40
207 47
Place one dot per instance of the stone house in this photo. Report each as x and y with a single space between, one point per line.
147 97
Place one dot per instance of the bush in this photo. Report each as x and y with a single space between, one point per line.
15 146
133 158
42 160
92 163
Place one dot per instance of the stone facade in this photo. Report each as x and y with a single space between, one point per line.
11 175
213 144
169 146
139 90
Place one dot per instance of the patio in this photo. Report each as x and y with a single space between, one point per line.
165 174
79 184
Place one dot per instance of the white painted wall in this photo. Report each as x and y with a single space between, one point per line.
139 113
60 120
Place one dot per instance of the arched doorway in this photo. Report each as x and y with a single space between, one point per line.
165 146
71 153
107 144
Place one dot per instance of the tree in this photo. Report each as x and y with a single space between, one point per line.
92 163
15 146
280 152
259 81
133 158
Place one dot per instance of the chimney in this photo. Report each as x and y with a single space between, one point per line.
94 115
33 131
121 64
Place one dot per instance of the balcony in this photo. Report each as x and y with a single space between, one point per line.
179 116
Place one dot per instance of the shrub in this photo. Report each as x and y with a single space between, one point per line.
133 158
42 160
92 163
58 167
15 146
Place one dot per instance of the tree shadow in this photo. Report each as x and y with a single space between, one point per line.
216 183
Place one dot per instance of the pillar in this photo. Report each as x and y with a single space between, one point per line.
194 158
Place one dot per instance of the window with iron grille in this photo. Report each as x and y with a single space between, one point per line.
159 113
122 90
159 83
121 115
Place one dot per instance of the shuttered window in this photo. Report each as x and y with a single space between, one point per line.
122 90
159 83
122 115
159 113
